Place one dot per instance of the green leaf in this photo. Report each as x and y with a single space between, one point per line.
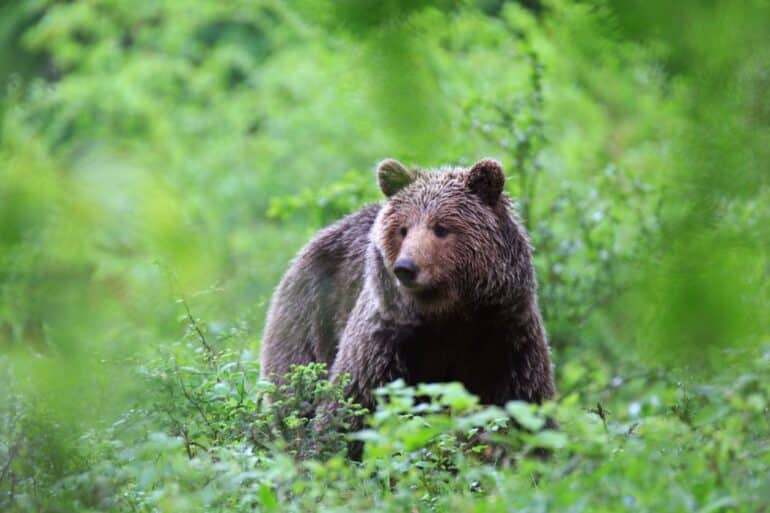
267 498
523 414
548 439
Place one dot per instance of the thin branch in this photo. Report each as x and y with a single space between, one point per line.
197 405
13 449
12 452
197 328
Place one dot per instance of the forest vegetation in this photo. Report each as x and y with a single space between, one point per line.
162 161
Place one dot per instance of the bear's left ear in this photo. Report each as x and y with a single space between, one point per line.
486 180
392 176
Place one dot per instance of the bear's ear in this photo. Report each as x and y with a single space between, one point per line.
486 180
392 176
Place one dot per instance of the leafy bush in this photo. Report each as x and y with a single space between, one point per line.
211 397
429 448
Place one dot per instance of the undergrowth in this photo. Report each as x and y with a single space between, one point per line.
209 435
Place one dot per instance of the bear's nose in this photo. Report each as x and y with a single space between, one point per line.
405 270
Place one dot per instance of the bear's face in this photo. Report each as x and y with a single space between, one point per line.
437 229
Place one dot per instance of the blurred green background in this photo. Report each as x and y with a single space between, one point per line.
161 162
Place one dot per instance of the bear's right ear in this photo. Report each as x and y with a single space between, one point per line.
392 176
486 179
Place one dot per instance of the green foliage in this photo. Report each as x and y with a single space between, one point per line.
211 397
327 204
151 151
288 418
220 447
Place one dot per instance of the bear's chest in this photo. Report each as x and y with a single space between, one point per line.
472 352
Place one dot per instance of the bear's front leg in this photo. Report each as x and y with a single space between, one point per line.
531 372
368 354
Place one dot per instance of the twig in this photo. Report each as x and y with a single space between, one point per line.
13 449
197 405
11 456
198 330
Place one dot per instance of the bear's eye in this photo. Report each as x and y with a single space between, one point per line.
440 231
403 231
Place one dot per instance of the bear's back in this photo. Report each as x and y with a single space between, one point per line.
312 303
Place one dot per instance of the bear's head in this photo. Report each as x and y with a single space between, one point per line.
446 237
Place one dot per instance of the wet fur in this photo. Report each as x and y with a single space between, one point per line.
478 322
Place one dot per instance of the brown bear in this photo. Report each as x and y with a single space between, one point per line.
434 285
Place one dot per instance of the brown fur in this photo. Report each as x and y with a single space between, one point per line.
471 315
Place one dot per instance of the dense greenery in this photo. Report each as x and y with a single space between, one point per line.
161 161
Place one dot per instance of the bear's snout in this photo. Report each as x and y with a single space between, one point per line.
406 271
